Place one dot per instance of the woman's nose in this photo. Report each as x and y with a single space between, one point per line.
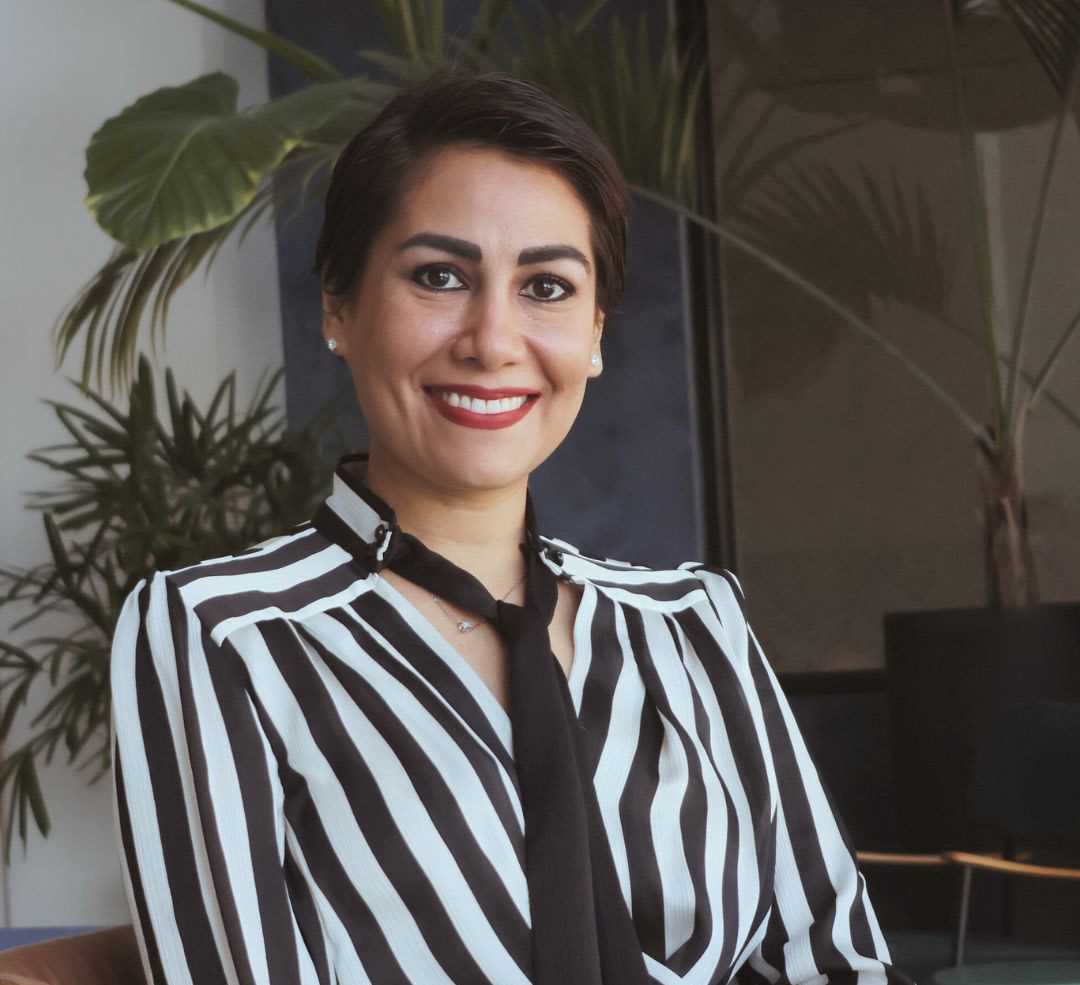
491 333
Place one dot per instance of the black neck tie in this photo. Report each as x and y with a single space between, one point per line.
582 931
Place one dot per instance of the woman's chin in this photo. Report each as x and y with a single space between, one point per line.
470 469
463 466
482 476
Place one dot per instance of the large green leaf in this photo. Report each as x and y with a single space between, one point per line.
137 284
183 159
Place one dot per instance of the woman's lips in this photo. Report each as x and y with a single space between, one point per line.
480 407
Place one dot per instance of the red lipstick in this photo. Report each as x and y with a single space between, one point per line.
471 419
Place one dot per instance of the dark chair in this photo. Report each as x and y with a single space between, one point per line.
1025 787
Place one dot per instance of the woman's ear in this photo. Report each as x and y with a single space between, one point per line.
596 363
333 322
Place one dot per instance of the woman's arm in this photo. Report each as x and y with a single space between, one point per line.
215 898
822 927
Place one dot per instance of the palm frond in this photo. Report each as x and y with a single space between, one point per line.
860 236
314 68
416 29
1050 28
485 25
138 492
744 171
639 97
1033 245
824 297
1038 383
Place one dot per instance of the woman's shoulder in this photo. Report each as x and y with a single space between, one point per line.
692 581
705 600
286 574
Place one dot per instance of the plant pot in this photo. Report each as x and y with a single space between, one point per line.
950 674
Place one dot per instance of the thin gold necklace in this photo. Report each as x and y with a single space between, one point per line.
464 625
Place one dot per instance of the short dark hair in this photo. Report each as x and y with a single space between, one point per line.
453 107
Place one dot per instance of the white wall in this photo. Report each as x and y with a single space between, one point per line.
65 66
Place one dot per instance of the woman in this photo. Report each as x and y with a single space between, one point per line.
415 741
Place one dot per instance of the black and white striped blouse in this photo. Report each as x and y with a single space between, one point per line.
313 786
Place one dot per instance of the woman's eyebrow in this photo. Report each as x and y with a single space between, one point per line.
470 251
543 254
448 244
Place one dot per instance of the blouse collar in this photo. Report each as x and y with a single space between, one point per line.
364 524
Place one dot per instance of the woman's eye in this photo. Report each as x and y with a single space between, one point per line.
547 288
438 278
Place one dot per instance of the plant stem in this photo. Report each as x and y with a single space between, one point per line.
1033 244
1010 567
823 297
980 237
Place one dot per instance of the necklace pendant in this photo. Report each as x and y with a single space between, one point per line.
464 626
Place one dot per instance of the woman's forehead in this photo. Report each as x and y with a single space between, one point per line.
487 197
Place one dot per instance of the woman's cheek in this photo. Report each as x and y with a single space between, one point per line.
570 363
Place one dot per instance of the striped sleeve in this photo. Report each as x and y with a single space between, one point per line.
199 809
822 927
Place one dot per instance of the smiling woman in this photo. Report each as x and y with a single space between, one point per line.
479 289
415 741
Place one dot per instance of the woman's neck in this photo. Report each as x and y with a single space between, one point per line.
478 530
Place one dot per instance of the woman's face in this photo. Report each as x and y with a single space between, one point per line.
471 332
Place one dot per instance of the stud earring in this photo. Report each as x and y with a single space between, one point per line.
332 344
595 360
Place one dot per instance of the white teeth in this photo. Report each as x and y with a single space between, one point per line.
501 405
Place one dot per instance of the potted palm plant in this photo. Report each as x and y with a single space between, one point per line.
951 672
954 672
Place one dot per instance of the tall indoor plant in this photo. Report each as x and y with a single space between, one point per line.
951 672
